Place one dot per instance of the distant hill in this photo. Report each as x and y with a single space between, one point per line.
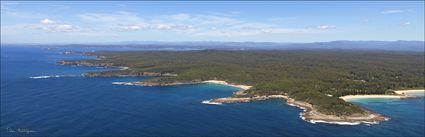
417 46
365 45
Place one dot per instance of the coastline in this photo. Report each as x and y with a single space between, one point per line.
309 114
350 97
400 94
221 82
404 92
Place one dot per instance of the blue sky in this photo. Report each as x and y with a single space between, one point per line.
108 21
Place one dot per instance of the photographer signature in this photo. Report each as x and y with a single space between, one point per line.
19 130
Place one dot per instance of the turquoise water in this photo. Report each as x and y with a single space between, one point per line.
72 105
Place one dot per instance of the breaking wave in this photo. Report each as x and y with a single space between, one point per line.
211 103
41 77
123 83
52 76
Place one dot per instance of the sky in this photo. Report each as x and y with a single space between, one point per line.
238 21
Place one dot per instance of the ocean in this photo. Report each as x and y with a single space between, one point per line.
41 98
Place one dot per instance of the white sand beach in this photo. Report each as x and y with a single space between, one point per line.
402 92
349 97
244 87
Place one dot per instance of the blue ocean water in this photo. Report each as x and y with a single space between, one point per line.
73 105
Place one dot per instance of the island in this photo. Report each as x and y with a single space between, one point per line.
313 80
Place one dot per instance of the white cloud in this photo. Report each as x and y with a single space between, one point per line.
130 28
405 23
250 31
392 11
210 25
185 24
49 25
47 21
115 18
153 26
284 30
226 33
171 26
58 7
180 16
325 27
122 5
7 11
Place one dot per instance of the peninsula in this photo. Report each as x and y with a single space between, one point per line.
313 80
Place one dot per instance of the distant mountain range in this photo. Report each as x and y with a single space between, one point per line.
417 46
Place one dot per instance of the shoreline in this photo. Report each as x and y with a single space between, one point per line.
404 92
350 97
221 82
309 114
400 94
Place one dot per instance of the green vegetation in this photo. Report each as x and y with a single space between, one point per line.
318 77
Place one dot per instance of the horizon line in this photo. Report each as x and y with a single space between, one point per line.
212 41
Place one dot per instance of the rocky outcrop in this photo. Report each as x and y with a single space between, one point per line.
149 83
310 113
114 73
84 63
122 73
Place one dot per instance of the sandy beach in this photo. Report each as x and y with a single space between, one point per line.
244 87
403 92
349 97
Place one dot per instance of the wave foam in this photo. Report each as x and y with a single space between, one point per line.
301 115
123 83
54 76
123 68
338 123
41 77
211 103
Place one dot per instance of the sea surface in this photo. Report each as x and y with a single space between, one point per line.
41 98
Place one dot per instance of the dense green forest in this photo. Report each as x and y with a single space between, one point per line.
315 76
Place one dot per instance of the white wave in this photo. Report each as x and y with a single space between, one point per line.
301 115
338 123
292 104
53 76
123 83
40 77
37 77
211 103
123 68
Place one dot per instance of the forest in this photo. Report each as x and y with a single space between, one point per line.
318 77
